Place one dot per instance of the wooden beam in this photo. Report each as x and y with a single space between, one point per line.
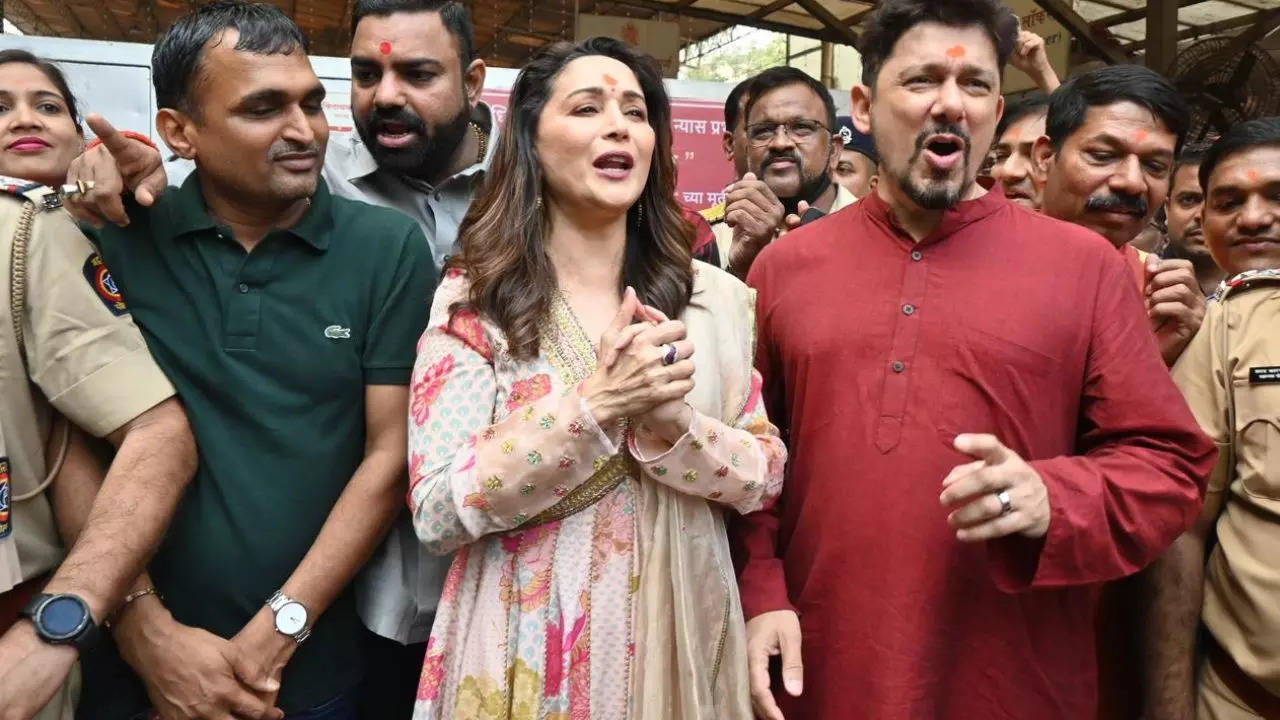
41 26
1079 28
771 8
731 19
832 22
856 18
1136 14
1217 28
1162 34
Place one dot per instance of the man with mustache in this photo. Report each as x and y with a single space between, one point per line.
981 427
1105 162
422 147
1184 211
790 125
286 318
1223 573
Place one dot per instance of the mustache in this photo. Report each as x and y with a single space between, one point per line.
401 115
1133 204
948 129
774 157
286 147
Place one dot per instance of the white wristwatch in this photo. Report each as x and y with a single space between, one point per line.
291 617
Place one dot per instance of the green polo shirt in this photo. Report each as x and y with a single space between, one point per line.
270 352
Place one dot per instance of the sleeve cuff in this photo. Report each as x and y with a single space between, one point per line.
690 433
387 375
593 427
763 587
115 394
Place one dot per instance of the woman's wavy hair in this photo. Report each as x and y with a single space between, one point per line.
504 235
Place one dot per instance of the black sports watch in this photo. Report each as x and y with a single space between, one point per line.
62 619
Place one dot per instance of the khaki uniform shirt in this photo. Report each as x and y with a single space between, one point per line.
85 357
1230 375
724 233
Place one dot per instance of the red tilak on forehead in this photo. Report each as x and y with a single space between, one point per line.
610 80
1252 175
1140 135
956 52
384 47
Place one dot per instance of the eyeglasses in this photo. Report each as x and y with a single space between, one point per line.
798 130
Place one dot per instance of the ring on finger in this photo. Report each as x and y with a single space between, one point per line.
1006 504
670 355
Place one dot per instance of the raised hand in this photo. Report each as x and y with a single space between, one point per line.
1175 305
117 165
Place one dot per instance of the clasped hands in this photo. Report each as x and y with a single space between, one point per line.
632 379
192 674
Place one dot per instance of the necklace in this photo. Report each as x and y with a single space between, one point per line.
482 141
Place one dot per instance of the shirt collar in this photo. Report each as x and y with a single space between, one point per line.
953 220
363 165
189 215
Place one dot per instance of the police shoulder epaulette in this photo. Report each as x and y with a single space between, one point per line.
713 214
42 196
1249 279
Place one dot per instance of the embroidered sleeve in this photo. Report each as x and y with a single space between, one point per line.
468 477
740 466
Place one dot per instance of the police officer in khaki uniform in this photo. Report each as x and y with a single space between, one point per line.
73 349
1230 375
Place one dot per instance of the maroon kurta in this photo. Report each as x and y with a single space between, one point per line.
876 352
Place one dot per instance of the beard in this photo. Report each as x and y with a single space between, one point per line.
811 187
936 194
431 152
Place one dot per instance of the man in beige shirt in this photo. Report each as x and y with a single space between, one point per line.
74 350
1230 375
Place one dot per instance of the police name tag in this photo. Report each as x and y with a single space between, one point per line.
1264 375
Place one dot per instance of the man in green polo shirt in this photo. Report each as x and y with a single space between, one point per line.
286 318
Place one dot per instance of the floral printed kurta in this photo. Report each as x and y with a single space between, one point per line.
536 621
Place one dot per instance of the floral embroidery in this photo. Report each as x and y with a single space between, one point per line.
751 486
558 641
716 495
527 415
478 501
560 491
466 326
723 471
534 550
566 462
534 457
432 673
696 444
493 483
548 421
508 447
691 476
660 470
599 463
519 519
427 388
734 460
483 698
525 392
527 489
713 437
488 433
576 428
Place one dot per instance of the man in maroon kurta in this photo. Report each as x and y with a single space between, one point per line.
928 319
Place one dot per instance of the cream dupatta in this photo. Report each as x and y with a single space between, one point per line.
690 658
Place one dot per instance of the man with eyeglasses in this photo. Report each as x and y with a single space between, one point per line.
791 152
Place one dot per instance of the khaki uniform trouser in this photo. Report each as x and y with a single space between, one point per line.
63 705
1215 701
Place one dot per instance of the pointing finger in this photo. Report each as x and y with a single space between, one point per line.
112 140
982 446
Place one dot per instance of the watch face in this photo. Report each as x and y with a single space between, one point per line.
291 618
62 616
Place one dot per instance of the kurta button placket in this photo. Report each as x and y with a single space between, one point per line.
903 346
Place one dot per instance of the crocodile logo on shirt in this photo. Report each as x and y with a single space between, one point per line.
337 332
